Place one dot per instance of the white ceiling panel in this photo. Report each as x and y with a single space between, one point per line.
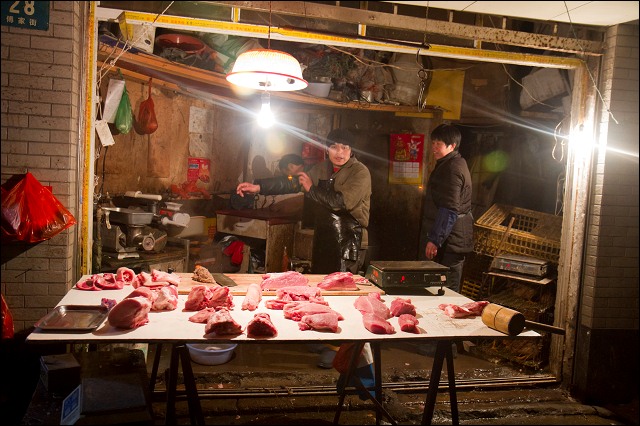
600 13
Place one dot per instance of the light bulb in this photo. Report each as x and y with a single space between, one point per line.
265 116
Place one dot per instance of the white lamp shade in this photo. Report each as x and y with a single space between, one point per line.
266 69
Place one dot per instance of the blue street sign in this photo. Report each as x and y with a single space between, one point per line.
33 15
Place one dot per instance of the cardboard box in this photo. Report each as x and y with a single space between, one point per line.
60 374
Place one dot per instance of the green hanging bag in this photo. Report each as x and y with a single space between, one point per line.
124 115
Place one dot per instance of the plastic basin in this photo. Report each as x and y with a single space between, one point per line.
211 353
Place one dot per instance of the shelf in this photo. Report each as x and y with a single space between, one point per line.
139 65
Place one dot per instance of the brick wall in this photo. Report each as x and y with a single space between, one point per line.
605 367
41 96
612 251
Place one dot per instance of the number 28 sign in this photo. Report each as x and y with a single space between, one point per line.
33 15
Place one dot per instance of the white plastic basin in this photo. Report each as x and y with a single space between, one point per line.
211 353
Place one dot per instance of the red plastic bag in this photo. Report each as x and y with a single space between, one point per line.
30 212
7 321
146 122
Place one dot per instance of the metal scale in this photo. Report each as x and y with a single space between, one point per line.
407 277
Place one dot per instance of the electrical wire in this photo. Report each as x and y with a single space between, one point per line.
593 81
127 46
562 143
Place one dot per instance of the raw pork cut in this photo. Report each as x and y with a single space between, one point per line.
408 323
300 293
221 323
338 281
377 324
470 309
105 281
372 304
319 322
161 276
166 298
213 296
130 313
276 280
296 310
202 316
261 326
198 298
125 274
144 292
252 297
401 306
276 305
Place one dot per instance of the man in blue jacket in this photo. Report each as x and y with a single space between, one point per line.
447 226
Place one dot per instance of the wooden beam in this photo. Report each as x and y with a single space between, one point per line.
315 11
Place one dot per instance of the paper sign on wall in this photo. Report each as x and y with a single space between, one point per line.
405 158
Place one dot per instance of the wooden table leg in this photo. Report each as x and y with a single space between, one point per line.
343 389
377 399
172 383
195 409
154 369
377 375
443 350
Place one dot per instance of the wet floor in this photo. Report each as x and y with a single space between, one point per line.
282 384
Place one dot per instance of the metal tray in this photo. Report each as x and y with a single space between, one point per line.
73 318
128 216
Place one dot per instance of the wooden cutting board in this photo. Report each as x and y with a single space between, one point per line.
238 284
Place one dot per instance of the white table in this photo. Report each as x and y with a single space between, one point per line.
173 327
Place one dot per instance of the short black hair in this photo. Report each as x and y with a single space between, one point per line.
342 136
448 134
290 158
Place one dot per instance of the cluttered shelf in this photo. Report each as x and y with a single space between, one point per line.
139 66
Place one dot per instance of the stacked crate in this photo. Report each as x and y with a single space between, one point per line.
532 234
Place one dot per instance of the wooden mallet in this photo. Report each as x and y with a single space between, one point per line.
512 322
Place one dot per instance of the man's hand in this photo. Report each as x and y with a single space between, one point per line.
431 251
305 181
247 188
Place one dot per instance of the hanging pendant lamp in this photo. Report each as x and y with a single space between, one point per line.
267 69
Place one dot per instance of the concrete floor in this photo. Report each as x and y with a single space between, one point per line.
281 384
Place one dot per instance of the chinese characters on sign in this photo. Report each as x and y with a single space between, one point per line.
33 15
405 159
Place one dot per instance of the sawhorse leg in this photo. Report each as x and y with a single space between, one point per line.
443 350
154 369
179 353
377 400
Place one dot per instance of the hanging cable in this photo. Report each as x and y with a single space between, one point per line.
127 46
562 143
425 75
593 81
